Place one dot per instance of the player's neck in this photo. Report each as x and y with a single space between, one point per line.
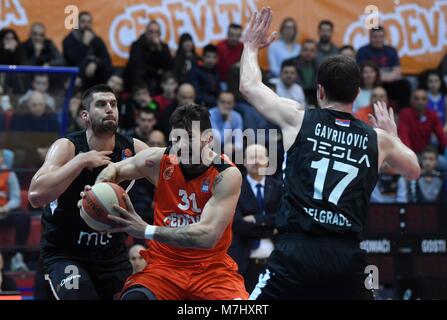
343 107
100 142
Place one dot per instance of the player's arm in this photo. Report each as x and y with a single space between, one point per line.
391 149
287 114
216 216
60 168
145 164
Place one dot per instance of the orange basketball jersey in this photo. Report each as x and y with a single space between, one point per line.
179 202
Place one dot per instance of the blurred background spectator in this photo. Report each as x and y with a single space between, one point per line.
254 222
229 52
204 77
370 78
149 58
378 94
429 187
38 50
387 59
169 86
225 120
325 47
136 260
185 57
285 47
286 86
390 188
40 83
84 49
306 65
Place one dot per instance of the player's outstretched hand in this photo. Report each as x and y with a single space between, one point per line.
383 118
129 222
256 34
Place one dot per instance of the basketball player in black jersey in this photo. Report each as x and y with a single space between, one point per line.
78 262
332 164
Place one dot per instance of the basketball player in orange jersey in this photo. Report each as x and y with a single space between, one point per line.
194 208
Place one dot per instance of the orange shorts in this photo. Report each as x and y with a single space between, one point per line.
206 281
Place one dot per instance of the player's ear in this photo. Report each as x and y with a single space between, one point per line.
84 115
321 93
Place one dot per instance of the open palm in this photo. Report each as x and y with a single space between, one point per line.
256 34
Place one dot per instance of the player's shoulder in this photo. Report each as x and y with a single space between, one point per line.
230 178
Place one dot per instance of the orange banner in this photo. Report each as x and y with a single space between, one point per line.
418 29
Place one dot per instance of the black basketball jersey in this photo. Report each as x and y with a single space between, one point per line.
331 170
64 231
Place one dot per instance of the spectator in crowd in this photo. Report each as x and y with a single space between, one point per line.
185 57
84 49
390 187
306 65
149 58
186 94
39 50
285 47
204 77
40 83
7 284
169 86
418 123
437 100
348 51
11 54
141 99
10 214
325 47
146 122
370 79
254 222
224 120
229 51
33 131
157 139
286 85
10 51
117 84
378 94
429 187
136 260
387 59
75 108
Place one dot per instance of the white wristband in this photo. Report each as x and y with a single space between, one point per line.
149 232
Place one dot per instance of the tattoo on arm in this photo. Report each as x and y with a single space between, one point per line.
181 237
217 180
149 163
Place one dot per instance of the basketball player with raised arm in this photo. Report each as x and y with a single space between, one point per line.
194 209
80 263
332 163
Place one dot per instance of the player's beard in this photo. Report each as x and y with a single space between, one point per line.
104 127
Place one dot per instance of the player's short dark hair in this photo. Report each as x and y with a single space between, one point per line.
183 117
340 77
327 23
209 48
288 63
87 96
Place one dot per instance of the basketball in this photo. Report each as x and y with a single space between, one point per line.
98 203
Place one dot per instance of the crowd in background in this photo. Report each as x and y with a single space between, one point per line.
155 82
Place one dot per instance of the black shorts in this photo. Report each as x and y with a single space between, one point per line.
304 267
71 278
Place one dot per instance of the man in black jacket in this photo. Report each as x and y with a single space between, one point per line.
149 58
86 50
38 50
254 222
